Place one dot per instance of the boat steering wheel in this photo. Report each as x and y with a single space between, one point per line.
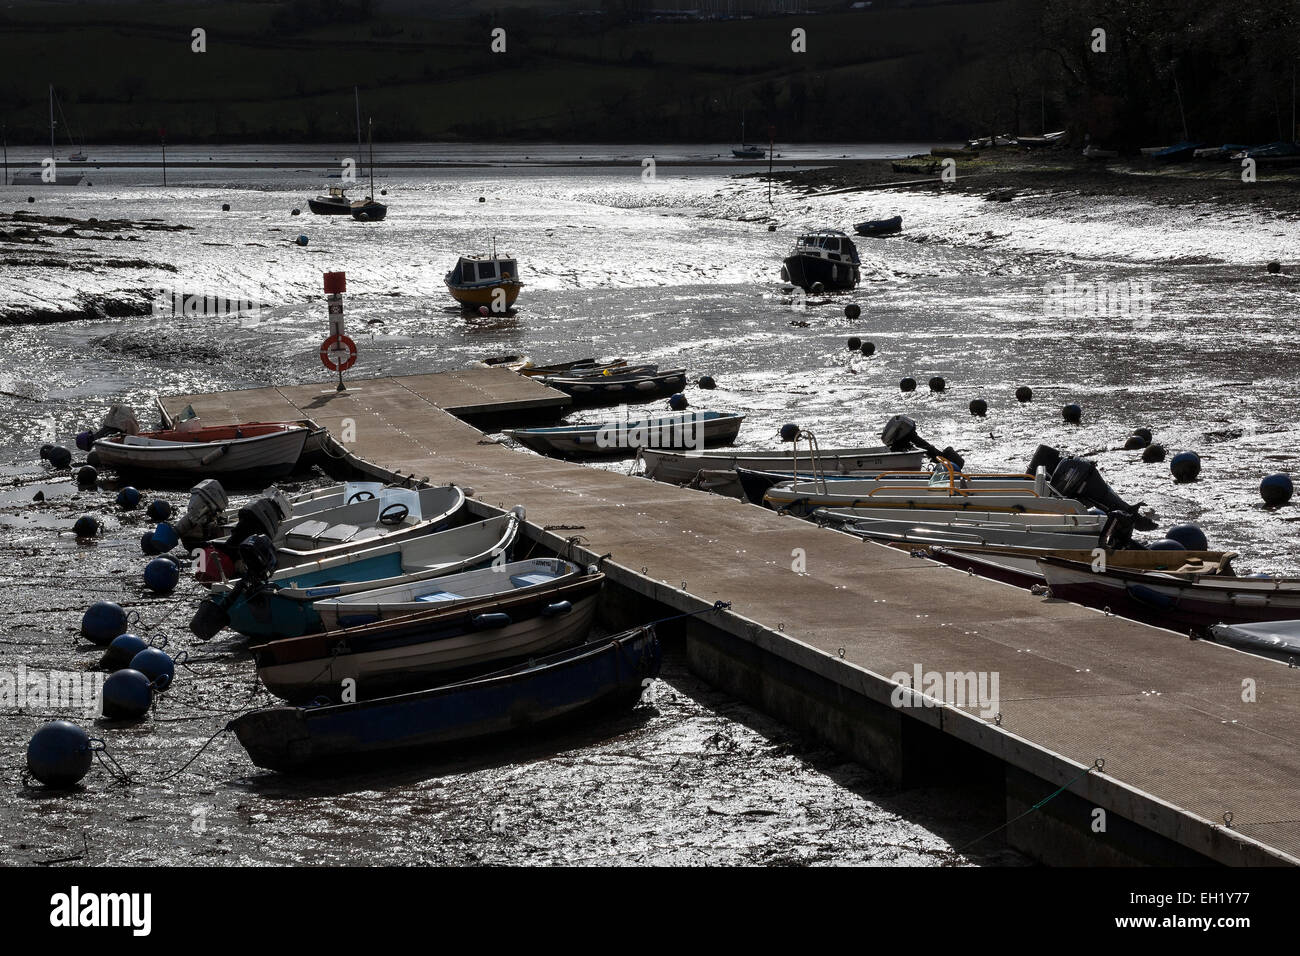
394 514
362 495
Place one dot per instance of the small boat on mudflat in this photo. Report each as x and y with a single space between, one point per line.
415 650
1280 638
586 366
823 261
880 227
603 673
334 203
623 437
490 282
233 453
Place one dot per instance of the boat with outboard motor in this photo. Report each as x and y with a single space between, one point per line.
271 602
485 282
253 451
682 467
623 437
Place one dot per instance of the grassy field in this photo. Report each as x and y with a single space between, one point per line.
125 70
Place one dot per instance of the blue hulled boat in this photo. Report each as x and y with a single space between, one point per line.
605 672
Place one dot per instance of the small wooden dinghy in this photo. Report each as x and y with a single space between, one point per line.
607 672
621 384
968 519
682 467
285 605
880 227
586 366
1019 565
232 453
440 593
624 438
415 649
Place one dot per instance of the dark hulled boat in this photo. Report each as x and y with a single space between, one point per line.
826 260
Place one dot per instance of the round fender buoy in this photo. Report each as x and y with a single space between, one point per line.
127 695
155 665
158 510
1185 465
1166 544
677 402
1274 267
817 288
128 497
102 622
937 384
868 349
852 310
979 408
149 546
1135 442
707 382
1153 453
59 754
1072 413
161 575
87 476
383 192
296 212
87 526
92 458
1144 434
56 455
482 199
1276 489
908 384
854 343
1190 536
225 207
120 651
85 440
1024 394
301 240
164 537
789 432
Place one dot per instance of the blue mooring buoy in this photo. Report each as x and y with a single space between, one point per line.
1153 453
908 384
165 537
707 382
128 497
120 651
1024 394
158 510
854 343
59 754
87 526
1072 413
852 311
789 432
677 402
155 665
1276 489
102 622
85 440
1191 537
127 695
979 408
161 575
937 384
1185 466
868 349
1166 544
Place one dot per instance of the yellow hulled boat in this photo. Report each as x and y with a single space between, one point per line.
491 281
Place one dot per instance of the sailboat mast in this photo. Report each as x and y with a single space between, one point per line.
356 96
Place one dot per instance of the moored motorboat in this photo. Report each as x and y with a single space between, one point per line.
587 366
334 203
681 467
969 519
623 437
366 607
233 453
414 650
822 261
272 602
603 672
1183 600
617 384
1019 566
1275 637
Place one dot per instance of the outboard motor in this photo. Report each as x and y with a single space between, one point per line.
900 435
1117 532
202 518
1079 478
257 554
1046 456
120 420
262 516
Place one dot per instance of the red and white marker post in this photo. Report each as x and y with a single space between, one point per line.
337 352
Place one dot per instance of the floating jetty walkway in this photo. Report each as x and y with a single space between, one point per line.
1194 748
